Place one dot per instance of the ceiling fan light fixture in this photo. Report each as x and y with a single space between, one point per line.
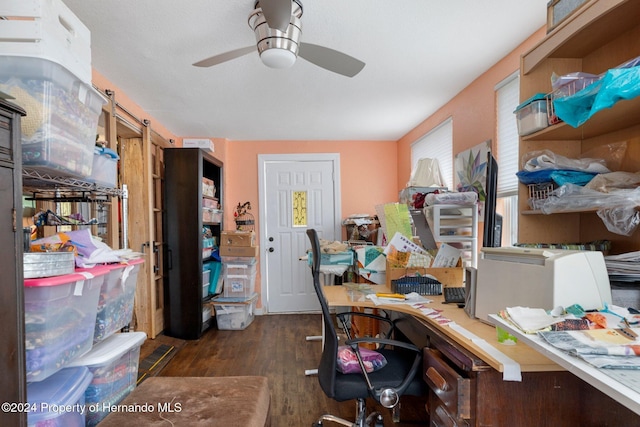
278 58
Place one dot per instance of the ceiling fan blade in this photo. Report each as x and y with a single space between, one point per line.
330 59
277 13
224 57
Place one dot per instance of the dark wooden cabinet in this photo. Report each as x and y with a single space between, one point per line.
12 353
184 303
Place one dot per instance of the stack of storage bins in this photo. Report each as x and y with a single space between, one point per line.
113 360
70 323
45 64
60 317
235 309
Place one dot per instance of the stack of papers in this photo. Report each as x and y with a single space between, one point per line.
624 267
531 320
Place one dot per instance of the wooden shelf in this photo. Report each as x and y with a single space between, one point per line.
622 115
599 36
596 24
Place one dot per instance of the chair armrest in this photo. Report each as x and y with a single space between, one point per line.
370 315
391 323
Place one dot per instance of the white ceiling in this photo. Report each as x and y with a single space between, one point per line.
418 54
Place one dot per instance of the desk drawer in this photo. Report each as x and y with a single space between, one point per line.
451 388
439 415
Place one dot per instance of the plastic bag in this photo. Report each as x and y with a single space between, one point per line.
617 84
616 208
547 159
348 363
462 198
621 220
607 182
612 154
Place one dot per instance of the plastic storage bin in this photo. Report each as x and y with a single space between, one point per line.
46 29
60 317
206 282
58 401
531 115
235 315
240 286
105 167
114 366
239 269
115 305
59 131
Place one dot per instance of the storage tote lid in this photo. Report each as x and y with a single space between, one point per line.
63 388
124 264
104 151
110 349
80 274
534 98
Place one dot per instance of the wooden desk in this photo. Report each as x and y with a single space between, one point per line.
466 383
529 359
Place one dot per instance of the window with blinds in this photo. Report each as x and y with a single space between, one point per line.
437 144
507 99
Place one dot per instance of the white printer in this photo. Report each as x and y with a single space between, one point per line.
539 278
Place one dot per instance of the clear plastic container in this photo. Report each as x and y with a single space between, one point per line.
235 315
58 401
115 305
59 130
60 318
240 286
531 115
105 168
114 366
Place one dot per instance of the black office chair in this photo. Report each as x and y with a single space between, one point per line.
399 376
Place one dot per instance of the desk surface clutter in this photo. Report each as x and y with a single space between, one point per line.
533 354
452 322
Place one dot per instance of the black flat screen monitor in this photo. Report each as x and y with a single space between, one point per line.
492 231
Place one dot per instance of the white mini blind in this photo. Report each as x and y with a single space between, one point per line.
507 99
437 144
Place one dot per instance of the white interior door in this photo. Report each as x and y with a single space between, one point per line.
297 192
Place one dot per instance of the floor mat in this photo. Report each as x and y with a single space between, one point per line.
153 364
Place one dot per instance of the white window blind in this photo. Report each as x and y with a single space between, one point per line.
437 144
507 99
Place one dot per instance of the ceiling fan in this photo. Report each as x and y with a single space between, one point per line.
277 26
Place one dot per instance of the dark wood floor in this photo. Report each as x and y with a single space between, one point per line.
274 346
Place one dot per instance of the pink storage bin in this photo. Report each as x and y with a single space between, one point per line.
60 317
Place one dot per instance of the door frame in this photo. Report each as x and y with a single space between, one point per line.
263 161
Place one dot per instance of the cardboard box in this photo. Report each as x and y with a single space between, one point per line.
238 238
208 187
452 277
204 143
248 251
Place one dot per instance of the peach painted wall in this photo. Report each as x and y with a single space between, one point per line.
99 81
367 170
473 110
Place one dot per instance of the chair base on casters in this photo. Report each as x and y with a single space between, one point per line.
360 421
